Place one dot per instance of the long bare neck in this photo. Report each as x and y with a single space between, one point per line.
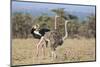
66 32
55 22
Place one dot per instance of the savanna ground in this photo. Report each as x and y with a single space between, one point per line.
72 50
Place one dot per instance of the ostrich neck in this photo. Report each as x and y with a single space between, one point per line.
66 28
66 33
55 22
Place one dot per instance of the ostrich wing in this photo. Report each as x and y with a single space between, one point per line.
43 31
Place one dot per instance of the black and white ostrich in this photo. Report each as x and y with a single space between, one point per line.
54 37
39 34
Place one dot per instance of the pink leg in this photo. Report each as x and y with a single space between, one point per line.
43 48
39 45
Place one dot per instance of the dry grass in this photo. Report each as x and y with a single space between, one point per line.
72 50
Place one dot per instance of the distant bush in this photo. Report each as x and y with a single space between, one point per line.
22 23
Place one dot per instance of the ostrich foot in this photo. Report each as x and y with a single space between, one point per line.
54 56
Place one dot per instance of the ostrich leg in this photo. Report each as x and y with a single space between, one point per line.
53 55
43 46
39 45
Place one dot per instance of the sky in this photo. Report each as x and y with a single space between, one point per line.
38 8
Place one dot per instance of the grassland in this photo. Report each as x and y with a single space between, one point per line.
72 50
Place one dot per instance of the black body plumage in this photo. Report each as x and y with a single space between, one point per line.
41 31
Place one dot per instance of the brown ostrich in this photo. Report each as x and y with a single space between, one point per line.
55 39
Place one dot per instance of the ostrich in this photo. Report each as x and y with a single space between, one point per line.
52 36
38 34
55 39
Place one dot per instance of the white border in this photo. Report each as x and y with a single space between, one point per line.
89 2
5 33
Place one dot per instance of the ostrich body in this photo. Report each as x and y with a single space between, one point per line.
55 39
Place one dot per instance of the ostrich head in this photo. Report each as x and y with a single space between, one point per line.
34 27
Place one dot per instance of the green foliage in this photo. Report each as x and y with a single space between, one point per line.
22 23
88 27
44 21
73 27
